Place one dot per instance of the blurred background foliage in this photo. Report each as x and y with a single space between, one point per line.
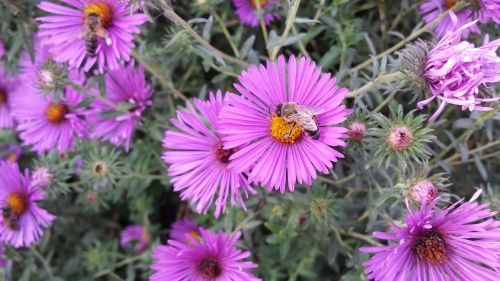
311 234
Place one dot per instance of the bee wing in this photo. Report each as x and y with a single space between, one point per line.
310 110
304 121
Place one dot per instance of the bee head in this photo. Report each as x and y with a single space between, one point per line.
278 109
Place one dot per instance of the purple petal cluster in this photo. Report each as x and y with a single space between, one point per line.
65 29
138 234
458 73
247 11
199 163
184 230
453 243
275 153
8 84
22 220
214 257
123 86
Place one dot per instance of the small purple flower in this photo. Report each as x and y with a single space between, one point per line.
214 257
277 152
123 86
432 8
454 243
47 124
199 162
22 220
458 73
247 11
135 233
10 153
184 230
65 29
8 84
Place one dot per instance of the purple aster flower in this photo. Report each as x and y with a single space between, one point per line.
7 87
458 73
127 86
432 8
185 230
247 11
278 152
10 153
454 243
47 124
489 10
65 31
135 233
198 161
2 49
22 220
214 257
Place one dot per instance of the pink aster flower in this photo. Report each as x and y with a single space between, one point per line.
46 124
454 243
278 152
126 86
22 220
247 11
8 84
198 161
135 233
432 8
213 257
65 30
457 72
185 230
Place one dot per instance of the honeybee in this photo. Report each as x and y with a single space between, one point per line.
10 218
93 30
301 115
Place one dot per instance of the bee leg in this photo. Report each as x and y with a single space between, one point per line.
291 130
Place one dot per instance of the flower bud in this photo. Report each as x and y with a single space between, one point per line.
45 78
41 177
357 131
424 191
399 138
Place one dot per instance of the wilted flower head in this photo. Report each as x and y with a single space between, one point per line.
8 84
46 123
66 32
280 153
41 177
446 244
135 233
456 72
247 11
184 230
22 220
126 88
213 257
400 136
199 164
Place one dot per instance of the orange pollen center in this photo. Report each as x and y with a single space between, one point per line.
284 131
209 267
430 246
3 96
261 3
194 234
101 8
12 157
450 3
55 112
18 202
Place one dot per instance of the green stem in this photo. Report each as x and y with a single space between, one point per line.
226 33
478 149
410 38
289 23
337 182
383 103
118 265
44 263
372 84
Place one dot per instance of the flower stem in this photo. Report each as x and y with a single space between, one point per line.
226 33
289 23
372 84
118 265
410 38
163 81
172 15
44 263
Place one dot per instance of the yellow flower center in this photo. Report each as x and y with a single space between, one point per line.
101 8
55 112
12 157
3 96
18 202
283 131
261 3
450 3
